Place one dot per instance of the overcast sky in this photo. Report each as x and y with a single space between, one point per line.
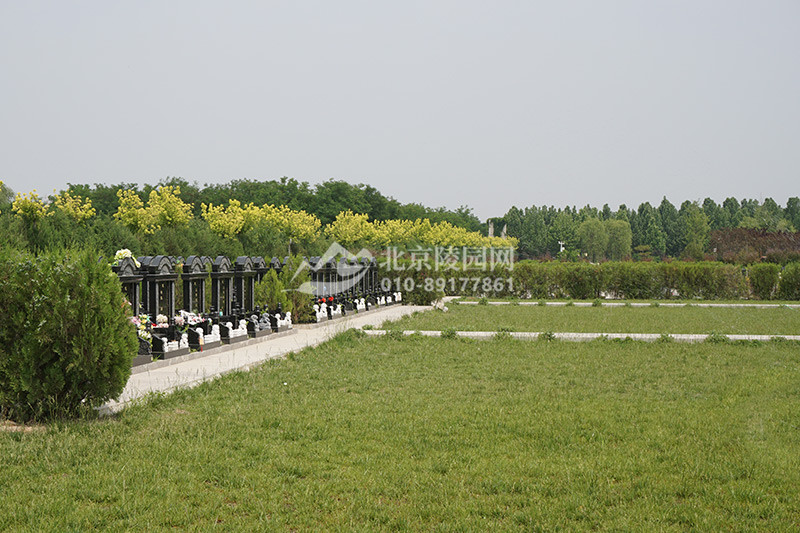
485 104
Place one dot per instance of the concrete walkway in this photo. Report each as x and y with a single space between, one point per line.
193 369
534 335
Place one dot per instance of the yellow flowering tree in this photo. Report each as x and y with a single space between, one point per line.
349 228
75 207
164 209
393 232
296 225
236 219
131 210
232 220
30 207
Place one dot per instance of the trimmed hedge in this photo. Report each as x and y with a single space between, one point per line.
66 344
705 280
789 287
764 279
632 280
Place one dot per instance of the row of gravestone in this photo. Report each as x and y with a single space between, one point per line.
149 284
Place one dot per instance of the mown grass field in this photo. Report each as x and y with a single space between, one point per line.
417 433
624 301
722 320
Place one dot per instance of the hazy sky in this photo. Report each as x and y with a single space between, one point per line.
487 104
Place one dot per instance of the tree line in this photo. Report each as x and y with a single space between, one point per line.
177 218
693 230
324 200
642 233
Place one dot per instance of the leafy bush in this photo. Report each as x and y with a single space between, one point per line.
789 288
69 344
269 292
764 280
533 279
640 281
580 280
299 302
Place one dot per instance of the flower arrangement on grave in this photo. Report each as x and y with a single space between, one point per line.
181 324
162 321
122 254
141 322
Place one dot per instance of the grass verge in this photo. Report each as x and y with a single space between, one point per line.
772 321
448 434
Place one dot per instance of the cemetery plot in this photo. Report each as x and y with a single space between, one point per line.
219 300
700 320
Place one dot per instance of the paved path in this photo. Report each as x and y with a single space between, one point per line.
188 371
640 304
534 335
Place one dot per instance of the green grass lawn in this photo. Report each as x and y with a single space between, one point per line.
722 320
622 301
373 434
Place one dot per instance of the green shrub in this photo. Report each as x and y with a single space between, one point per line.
640 281
70 343
580 280
534 279
300 303
789 288
483 301
707 280
764 280
269 292
597 302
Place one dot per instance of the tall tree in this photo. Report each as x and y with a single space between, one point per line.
792 211
650 233
619 239
697 229
563 229
593 238
717 216
622 213
674 237
734 210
